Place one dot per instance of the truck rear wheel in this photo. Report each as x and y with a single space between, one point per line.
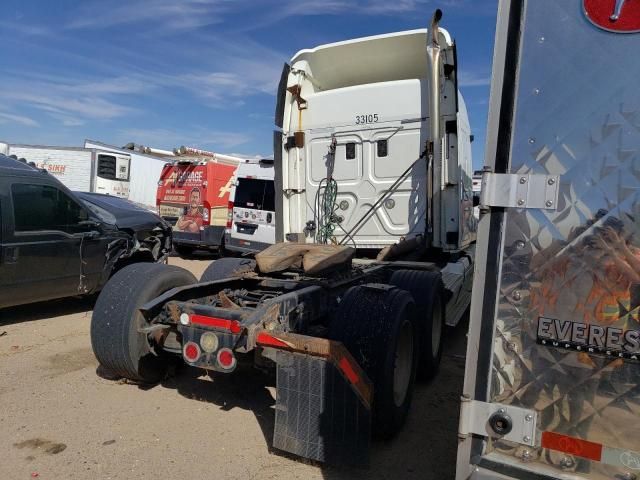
376 324
426 290
227 268
117 344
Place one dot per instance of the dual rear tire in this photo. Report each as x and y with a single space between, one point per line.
427 291
376 323
394 332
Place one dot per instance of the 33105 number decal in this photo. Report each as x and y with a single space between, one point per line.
368 118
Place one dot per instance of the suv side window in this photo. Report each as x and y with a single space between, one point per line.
43 207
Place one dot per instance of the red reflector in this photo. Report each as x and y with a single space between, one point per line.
191 351
232 326
267 340
348 371
229 214
571 445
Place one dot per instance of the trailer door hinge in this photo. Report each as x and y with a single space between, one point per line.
519 190
496 420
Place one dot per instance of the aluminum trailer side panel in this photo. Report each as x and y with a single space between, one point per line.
555 311
72 166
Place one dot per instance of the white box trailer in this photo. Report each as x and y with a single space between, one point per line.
145 172
552 385
82 169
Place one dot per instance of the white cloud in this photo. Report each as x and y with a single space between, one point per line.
473 79
171 16
164 14
22 27
84 106
22 120
190 136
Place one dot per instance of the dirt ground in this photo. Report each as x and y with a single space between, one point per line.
60 420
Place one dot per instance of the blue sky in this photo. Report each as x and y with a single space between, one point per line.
195 72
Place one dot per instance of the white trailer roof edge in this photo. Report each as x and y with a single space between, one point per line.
122 150
51 147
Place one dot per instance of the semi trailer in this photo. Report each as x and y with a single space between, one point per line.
144 172
84 169
374 255
551 386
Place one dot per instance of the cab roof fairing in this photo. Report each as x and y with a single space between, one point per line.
378 58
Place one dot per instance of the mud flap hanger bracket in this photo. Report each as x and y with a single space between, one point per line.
495 420
514 190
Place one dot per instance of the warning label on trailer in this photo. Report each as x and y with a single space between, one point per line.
590 338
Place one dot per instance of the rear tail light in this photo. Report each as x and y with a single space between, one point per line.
231 326
205 215
191 352
226 359
229 214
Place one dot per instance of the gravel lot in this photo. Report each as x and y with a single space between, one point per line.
60 420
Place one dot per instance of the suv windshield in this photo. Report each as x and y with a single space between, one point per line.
254 193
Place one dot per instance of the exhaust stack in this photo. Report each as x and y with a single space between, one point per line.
434 144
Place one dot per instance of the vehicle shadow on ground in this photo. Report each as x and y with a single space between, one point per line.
246 389
48 309
425 449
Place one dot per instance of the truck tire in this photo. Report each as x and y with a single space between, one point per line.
119 347
376 323
227 268
427 291
184 251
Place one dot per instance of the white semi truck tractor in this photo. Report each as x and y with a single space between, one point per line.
374 252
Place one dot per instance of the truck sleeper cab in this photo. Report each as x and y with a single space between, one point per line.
355 118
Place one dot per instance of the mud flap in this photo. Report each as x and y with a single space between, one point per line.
323 401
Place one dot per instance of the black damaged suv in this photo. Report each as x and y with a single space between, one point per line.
55 243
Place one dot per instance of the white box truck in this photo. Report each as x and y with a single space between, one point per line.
144 172
373 152
552 383
81 169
